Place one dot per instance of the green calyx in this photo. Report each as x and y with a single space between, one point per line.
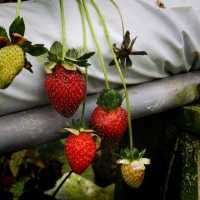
73 60
16 36
132 154
109 99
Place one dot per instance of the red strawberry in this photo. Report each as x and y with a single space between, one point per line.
109 123
66 90
109 119
80 151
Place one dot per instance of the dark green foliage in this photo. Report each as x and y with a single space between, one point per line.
17 26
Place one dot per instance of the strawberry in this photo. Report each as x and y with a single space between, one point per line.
80 150
133 167
65 85
66 90
12 60
109 119
13 51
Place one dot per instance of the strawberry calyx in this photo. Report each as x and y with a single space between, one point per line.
76 128
133 157
16 37
109 99
74 59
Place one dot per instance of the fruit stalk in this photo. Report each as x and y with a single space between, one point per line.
83 22
98 48
18 8
123 79
63 29
120 14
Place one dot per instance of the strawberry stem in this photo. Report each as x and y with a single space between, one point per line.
123 79
63 29
120 14
18 8
61 184
83 22
98 47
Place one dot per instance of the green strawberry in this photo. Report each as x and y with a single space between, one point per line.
13 49
12 60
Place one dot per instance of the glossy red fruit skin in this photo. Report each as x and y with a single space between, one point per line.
111 124
80 151
66 90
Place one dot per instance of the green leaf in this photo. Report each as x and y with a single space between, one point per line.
73 53
56 49
17 26
26 46
86 56
37 50
3 32
17 159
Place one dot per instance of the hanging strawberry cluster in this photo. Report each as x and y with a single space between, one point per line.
66 87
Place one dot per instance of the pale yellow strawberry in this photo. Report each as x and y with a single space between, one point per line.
133 175
12 60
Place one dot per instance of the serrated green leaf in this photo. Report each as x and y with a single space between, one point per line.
86 56
17 159
3 32
37 50
17 26
56 49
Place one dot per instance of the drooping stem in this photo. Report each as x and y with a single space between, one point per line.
61 184
120 14
84 46
98 47
123 79
83 22
63 29
18 8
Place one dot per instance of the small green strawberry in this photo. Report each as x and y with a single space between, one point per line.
13 51
133 167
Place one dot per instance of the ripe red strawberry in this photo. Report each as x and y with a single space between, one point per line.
109 119
109 123
80 151
66 90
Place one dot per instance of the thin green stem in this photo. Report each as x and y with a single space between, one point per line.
61 184
18 8
123 79
63 29
84 45
98 47
120 14
83 22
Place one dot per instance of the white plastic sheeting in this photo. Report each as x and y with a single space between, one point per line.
170 37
